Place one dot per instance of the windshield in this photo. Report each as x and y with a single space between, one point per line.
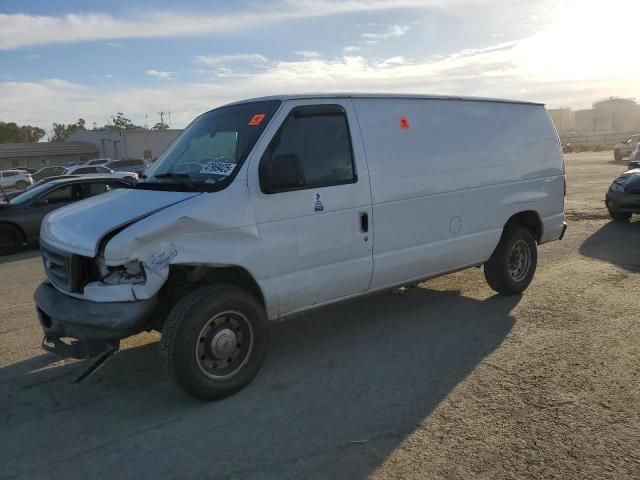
212 148
29 195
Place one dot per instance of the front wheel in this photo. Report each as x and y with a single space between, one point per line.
617 156
513 263
619 216
10 239
214 341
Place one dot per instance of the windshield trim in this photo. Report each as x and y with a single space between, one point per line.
219 185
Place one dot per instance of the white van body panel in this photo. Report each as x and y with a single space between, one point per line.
79 227
315 257
437 196
443 188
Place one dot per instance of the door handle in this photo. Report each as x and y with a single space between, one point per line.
364 222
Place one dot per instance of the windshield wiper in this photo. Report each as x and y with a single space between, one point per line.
182 178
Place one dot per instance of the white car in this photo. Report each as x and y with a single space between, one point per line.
18 179
624 149
97 161
97 169
270 207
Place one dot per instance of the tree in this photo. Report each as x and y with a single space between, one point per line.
13 133
160 126
61 132
123 123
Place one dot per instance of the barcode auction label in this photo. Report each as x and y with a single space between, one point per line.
218 168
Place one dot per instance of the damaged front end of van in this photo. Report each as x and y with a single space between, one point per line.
90 301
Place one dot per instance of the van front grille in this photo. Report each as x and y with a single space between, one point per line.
66 271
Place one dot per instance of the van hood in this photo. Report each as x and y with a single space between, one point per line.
80 227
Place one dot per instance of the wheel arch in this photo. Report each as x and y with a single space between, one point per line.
4 223
186 276
529 219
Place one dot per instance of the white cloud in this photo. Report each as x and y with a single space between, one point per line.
226 59
307 54
33 56
351 49
161 74
114 44
20 30
393 31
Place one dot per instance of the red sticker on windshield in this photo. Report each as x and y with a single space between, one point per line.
404 123
256 119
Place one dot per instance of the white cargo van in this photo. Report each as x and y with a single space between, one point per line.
269 207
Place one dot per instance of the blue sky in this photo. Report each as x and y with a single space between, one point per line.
64 60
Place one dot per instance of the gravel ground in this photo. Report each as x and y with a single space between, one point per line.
445 381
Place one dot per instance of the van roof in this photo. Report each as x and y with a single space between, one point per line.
304 96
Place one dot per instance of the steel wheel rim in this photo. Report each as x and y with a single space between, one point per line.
519 261
224 345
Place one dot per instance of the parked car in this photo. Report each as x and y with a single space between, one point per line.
127 176
267 208
15 179
30 171
21 216
624 149
623 197
49 172
634 158
99 169
136 165
97 161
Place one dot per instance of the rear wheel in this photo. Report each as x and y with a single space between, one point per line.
10 239
511 267
617 156
214 341
619 216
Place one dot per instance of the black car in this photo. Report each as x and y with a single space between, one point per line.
623 197
49 172
21 216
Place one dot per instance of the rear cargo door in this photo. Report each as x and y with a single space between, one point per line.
316 225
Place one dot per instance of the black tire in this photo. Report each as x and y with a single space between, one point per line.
617 156
504 271
11 239
619 216
189 334
21 185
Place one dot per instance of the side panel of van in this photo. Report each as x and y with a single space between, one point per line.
316 249
446 175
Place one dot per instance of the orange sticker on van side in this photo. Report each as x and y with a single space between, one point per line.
256 119
404 123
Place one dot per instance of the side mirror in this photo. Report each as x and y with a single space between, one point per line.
281 173
40 202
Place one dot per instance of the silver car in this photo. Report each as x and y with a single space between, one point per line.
624 149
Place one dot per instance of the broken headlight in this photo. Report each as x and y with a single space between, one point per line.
128 273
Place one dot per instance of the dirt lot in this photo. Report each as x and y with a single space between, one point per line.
446 381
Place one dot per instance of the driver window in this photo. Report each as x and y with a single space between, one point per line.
318 137
60 195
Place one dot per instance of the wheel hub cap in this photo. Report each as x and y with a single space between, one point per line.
223 344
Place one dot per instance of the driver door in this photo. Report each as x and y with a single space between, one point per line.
317 231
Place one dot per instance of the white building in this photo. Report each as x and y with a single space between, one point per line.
127 144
